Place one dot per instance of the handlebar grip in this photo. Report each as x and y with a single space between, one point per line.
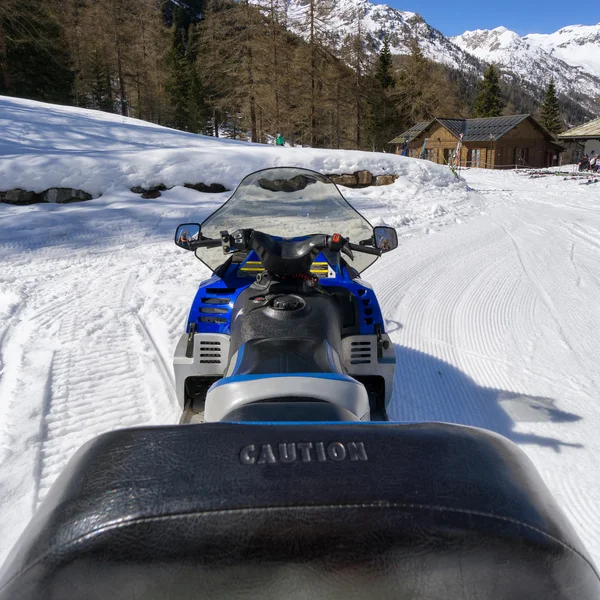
364 249
207 244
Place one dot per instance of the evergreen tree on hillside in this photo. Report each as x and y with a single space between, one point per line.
384 74
99 89
550 111
422 90
183 86
383 115
488 102
353 52
412 85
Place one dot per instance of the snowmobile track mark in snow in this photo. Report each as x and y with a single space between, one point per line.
158 360
43 438
80 405
542 292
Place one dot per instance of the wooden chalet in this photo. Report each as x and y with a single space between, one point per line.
490 143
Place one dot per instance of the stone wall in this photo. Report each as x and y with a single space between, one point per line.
54 195
360 179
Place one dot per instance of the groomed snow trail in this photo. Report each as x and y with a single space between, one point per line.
492 299
82 350
496 325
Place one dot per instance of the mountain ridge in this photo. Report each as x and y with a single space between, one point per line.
532 59
537 58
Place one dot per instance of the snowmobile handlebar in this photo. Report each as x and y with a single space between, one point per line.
206 244
285 256
333 242
365 249
330 242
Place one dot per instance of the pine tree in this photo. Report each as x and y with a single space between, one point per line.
550 111
422 89
488 102
178 82
384 75
383 116
354 54
184 87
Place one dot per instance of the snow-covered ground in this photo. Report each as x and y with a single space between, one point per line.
492 299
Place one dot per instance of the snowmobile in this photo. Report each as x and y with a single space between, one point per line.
285 329
285 480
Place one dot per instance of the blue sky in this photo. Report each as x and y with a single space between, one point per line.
533 16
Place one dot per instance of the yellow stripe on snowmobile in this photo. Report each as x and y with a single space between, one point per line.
318 268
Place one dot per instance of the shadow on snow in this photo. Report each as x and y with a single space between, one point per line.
429 389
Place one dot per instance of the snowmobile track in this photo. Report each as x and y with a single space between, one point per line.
159 362
79 403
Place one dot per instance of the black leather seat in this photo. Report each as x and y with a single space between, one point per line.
313 373
297 410
423 511
287 355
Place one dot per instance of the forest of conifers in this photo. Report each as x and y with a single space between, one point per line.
224 67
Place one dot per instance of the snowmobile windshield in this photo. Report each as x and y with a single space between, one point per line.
288 203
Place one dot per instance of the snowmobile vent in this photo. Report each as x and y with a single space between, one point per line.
213 320
366 308
361 353
215 301
215 311
221 291
210 352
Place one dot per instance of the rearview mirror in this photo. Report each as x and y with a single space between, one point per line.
385 238
187 233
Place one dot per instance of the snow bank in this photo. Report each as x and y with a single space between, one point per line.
46 145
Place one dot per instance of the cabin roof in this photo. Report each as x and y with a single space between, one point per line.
585 131
473 130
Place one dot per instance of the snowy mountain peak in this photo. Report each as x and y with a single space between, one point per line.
577 45
570 56
377 20
483 42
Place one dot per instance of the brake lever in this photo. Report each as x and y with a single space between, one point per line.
347 251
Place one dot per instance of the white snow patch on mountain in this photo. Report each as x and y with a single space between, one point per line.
577 45
375 21
570 55
572 58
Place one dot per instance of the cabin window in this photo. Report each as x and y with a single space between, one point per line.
474 157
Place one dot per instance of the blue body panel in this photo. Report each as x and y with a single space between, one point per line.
212 306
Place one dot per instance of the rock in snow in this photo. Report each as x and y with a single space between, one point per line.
65 195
